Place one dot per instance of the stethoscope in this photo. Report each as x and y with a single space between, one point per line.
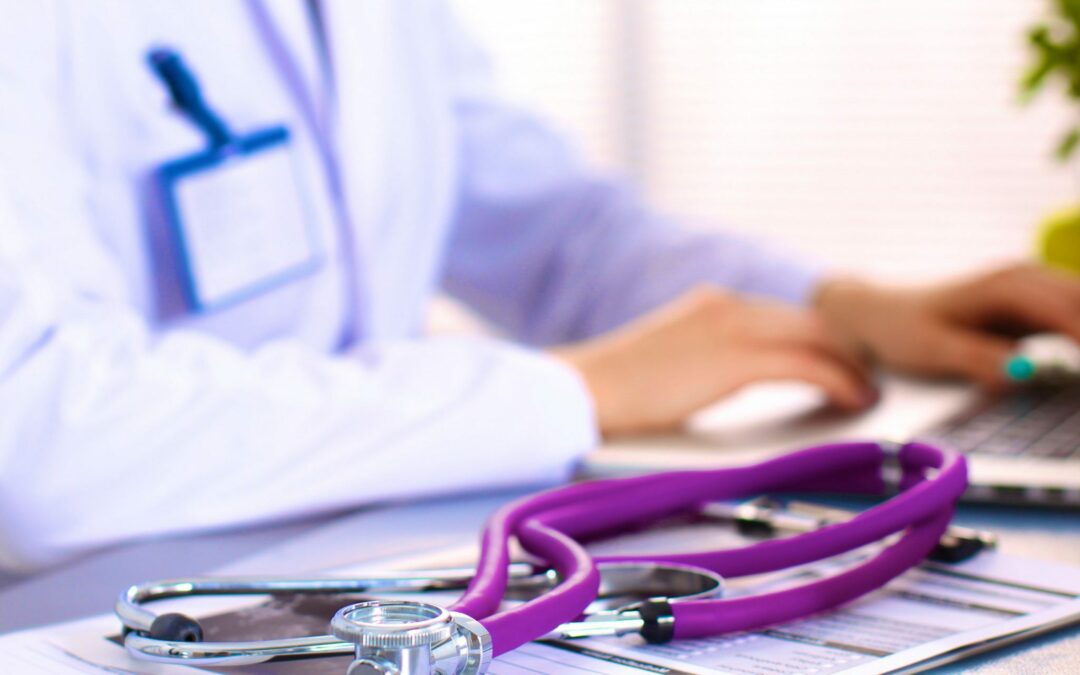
402 637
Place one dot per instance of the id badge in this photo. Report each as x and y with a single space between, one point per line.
239 219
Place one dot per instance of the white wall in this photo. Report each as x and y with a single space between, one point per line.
559 57
879 136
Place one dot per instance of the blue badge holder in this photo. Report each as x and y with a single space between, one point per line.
224 149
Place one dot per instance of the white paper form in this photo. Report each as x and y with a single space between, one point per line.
932 613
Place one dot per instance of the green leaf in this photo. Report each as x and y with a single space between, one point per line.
1039 36
1034 79
1070 9
1068 144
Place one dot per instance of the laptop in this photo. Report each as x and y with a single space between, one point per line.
1023 447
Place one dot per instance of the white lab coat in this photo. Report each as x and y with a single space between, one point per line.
121 415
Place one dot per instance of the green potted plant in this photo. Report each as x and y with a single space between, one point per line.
1055 43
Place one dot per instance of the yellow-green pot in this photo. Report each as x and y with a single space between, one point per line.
1059 239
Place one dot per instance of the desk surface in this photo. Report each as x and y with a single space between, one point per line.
89 586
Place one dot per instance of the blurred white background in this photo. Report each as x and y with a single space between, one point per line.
881 137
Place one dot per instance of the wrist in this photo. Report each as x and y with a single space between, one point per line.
843 298
590 370
835 294
850 306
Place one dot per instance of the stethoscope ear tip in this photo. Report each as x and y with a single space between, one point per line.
175 627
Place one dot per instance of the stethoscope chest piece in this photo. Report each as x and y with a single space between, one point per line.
402 637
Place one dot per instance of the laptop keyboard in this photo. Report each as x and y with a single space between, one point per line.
1037 421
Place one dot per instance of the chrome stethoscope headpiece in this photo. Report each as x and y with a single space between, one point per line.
399 636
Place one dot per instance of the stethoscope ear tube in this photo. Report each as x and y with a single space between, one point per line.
702 618
547 525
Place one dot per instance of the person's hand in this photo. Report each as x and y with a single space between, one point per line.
965 328
654 372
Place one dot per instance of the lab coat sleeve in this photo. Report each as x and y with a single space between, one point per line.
553 252
110 430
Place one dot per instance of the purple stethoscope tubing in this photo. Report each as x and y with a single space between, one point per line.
548 526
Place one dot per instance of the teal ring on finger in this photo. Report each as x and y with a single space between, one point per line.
1020 368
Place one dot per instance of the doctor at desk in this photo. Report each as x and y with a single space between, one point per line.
221 224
